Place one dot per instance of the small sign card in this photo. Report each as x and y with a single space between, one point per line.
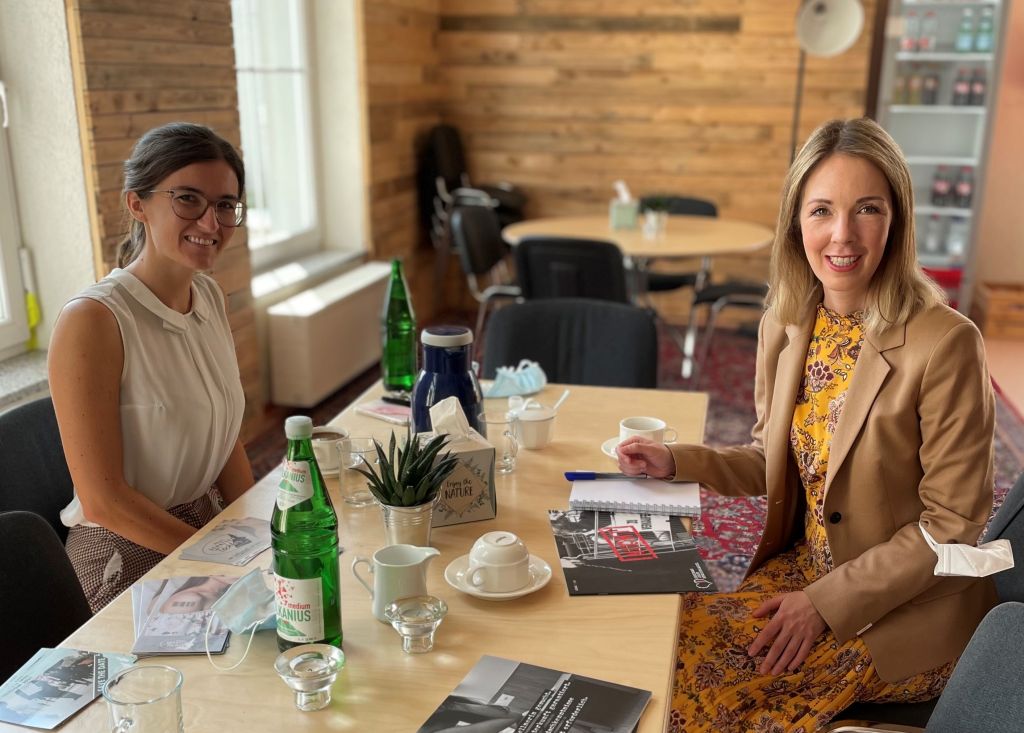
232 542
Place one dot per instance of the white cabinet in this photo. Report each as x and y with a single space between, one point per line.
936 91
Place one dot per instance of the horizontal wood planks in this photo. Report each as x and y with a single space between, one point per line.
137 65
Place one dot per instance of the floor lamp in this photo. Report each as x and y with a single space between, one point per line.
823 28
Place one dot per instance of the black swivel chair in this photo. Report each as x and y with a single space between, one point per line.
34 476
35 570
576 341
549 267
985 670
476 233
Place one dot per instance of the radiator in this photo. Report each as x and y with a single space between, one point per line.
323 337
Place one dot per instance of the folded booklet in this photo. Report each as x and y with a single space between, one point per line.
232 542
55 684
637 495
171 615
608 553
386 411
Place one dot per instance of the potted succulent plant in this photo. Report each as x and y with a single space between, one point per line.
406 484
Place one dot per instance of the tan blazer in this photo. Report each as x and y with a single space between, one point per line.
914 444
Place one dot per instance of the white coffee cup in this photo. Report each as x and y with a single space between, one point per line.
325 446
537 427
646 427
498 563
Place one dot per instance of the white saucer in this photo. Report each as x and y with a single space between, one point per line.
608 447
455 574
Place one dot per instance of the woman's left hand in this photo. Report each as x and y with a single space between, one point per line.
794 627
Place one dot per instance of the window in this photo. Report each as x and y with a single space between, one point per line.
13 322
272 59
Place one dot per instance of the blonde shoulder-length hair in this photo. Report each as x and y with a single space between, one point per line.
899 288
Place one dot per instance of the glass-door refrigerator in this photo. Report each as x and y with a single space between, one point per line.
936 88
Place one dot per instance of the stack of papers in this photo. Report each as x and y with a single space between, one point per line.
232 542
171 615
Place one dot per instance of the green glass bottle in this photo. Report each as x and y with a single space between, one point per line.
304 540
398 335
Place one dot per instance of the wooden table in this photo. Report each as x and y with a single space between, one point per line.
626 639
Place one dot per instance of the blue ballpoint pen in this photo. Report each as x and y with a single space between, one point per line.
595 475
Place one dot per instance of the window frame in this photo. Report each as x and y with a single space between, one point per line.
14 331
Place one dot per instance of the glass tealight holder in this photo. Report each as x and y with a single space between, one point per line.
310 670
416 618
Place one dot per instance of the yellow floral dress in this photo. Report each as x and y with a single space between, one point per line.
717 686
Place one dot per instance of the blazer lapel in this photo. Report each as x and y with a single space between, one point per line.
868 377
788 376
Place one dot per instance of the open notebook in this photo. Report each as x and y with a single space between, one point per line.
646 496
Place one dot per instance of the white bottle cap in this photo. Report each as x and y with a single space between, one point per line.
446 336
298 427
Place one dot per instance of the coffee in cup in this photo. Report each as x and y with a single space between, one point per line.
651 428
498 563
325 447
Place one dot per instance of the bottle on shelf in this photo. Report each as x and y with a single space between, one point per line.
911 31
979 86
942 186
930 88
961 88
956 239
963 190
965 32
915 88
984 32
899 89
933 235
929 32
304 541
398 335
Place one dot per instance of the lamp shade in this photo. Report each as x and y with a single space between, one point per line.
828 27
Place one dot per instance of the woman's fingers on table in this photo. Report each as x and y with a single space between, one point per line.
642 456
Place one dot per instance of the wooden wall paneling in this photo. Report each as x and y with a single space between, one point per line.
137 65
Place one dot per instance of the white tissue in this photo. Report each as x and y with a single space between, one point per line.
968 560
622 190
447 418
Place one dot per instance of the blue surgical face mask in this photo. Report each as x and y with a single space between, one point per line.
247 606
526 378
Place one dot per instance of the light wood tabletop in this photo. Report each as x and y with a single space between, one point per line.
684 236
630 640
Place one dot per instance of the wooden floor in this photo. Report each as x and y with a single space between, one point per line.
1006 364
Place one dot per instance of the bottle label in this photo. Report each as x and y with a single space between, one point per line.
296 485
300 609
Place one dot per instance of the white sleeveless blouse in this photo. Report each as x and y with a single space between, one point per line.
181 394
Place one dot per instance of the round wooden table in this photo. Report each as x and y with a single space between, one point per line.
684 236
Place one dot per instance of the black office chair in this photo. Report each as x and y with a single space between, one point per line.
476 234
549 267
34 476
1008 523
576 341
43 600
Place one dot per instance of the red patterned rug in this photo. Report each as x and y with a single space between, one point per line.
729 529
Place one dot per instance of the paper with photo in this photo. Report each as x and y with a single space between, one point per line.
55 684
232 542
178 616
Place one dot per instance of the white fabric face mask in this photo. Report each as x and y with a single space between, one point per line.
248 605
526 378
970 561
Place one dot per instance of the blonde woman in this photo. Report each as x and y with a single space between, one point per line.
143 372
875 419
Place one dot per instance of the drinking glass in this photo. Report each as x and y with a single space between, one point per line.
353 453
145 698
502 431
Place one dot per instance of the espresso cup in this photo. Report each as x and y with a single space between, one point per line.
498 563
646 427
325 447
537 427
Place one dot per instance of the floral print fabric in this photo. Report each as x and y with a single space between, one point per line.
717 686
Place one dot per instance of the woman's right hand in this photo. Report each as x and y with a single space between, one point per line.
643 456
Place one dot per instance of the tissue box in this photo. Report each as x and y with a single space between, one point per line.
623 214
468 493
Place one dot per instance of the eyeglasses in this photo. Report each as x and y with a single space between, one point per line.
191 205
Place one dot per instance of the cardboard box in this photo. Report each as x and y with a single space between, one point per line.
468 493
998 310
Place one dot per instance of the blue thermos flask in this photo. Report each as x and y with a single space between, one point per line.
447 372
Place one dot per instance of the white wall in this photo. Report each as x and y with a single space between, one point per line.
46 151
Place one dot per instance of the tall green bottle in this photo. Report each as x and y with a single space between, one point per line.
398 335
304 540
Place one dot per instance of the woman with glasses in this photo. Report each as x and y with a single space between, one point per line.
143 372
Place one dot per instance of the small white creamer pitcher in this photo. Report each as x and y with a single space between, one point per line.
399 571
